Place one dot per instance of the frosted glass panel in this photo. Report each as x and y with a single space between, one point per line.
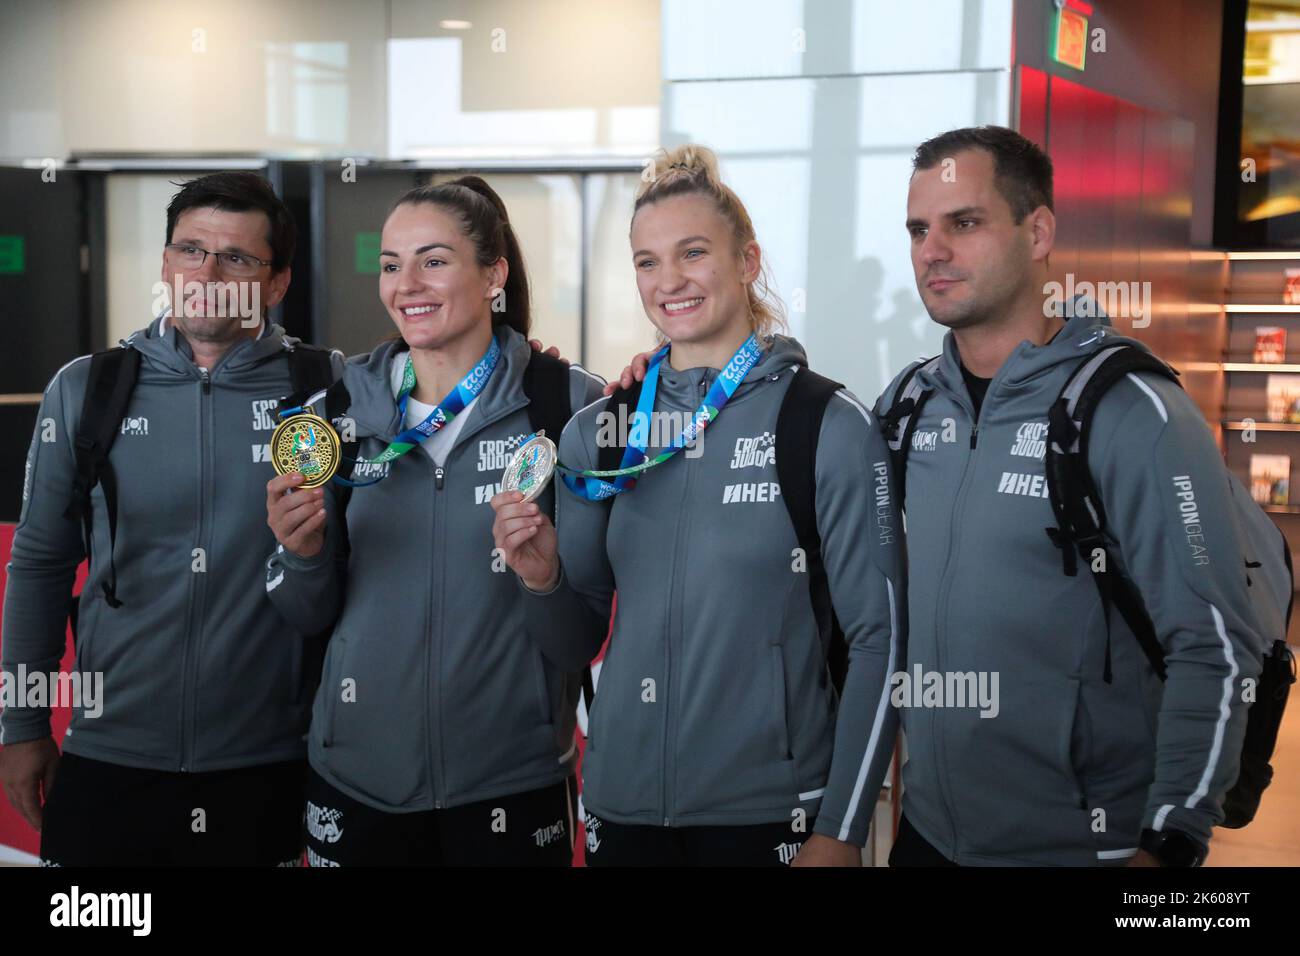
617 326
136 214
778 38
732 38
924 35
428 116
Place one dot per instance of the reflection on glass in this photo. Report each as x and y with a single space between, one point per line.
307 92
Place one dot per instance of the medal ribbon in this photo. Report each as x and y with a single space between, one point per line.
452 405
592 484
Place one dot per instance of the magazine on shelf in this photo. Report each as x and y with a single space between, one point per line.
1270 344
1291 291
1284 398
1270 479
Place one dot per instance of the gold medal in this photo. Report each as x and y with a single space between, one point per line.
531 467
308 444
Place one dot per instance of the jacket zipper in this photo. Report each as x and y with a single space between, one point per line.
946 591
432 675
189 660
433 670
669 776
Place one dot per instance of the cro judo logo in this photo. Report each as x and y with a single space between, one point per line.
756 452
323 823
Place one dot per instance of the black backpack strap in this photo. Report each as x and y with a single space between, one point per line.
546 383
1081 527
798 428
311 370
112 378
898 422
622 405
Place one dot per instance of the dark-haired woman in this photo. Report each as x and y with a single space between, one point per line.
440 735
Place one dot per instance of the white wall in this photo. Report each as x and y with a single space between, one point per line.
294 77
815 108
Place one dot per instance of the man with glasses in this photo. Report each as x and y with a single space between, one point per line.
193 753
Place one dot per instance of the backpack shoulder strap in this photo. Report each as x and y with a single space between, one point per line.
1075 502
798 429
311 370
621 404
546 383
898 422
112 378
1081 528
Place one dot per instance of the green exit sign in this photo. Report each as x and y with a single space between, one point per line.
13 255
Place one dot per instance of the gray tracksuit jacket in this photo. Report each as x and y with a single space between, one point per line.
1070 769
713 705
200 672
432 695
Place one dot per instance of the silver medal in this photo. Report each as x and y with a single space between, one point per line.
530 468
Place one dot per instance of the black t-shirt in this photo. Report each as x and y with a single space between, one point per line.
976 386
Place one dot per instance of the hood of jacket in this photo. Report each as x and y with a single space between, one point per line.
1080 337
166 348
684 388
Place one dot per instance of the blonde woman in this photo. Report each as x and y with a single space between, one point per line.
742 714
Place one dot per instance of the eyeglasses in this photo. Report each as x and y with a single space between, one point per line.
230 263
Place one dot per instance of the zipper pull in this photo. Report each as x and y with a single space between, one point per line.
207 382
974 434
437 478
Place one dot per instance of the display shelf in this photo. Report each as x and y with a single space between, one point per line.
1238 425
1259 367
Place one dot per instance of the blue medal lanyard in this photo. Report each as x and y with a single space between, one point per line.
452 405
592 484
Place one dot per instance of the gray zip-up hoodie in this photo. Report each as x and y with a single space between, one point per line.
200 672
432 695
714 705
1070 769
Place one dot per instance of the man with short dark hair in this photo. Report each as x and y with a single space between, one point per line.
1080 756
194 754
